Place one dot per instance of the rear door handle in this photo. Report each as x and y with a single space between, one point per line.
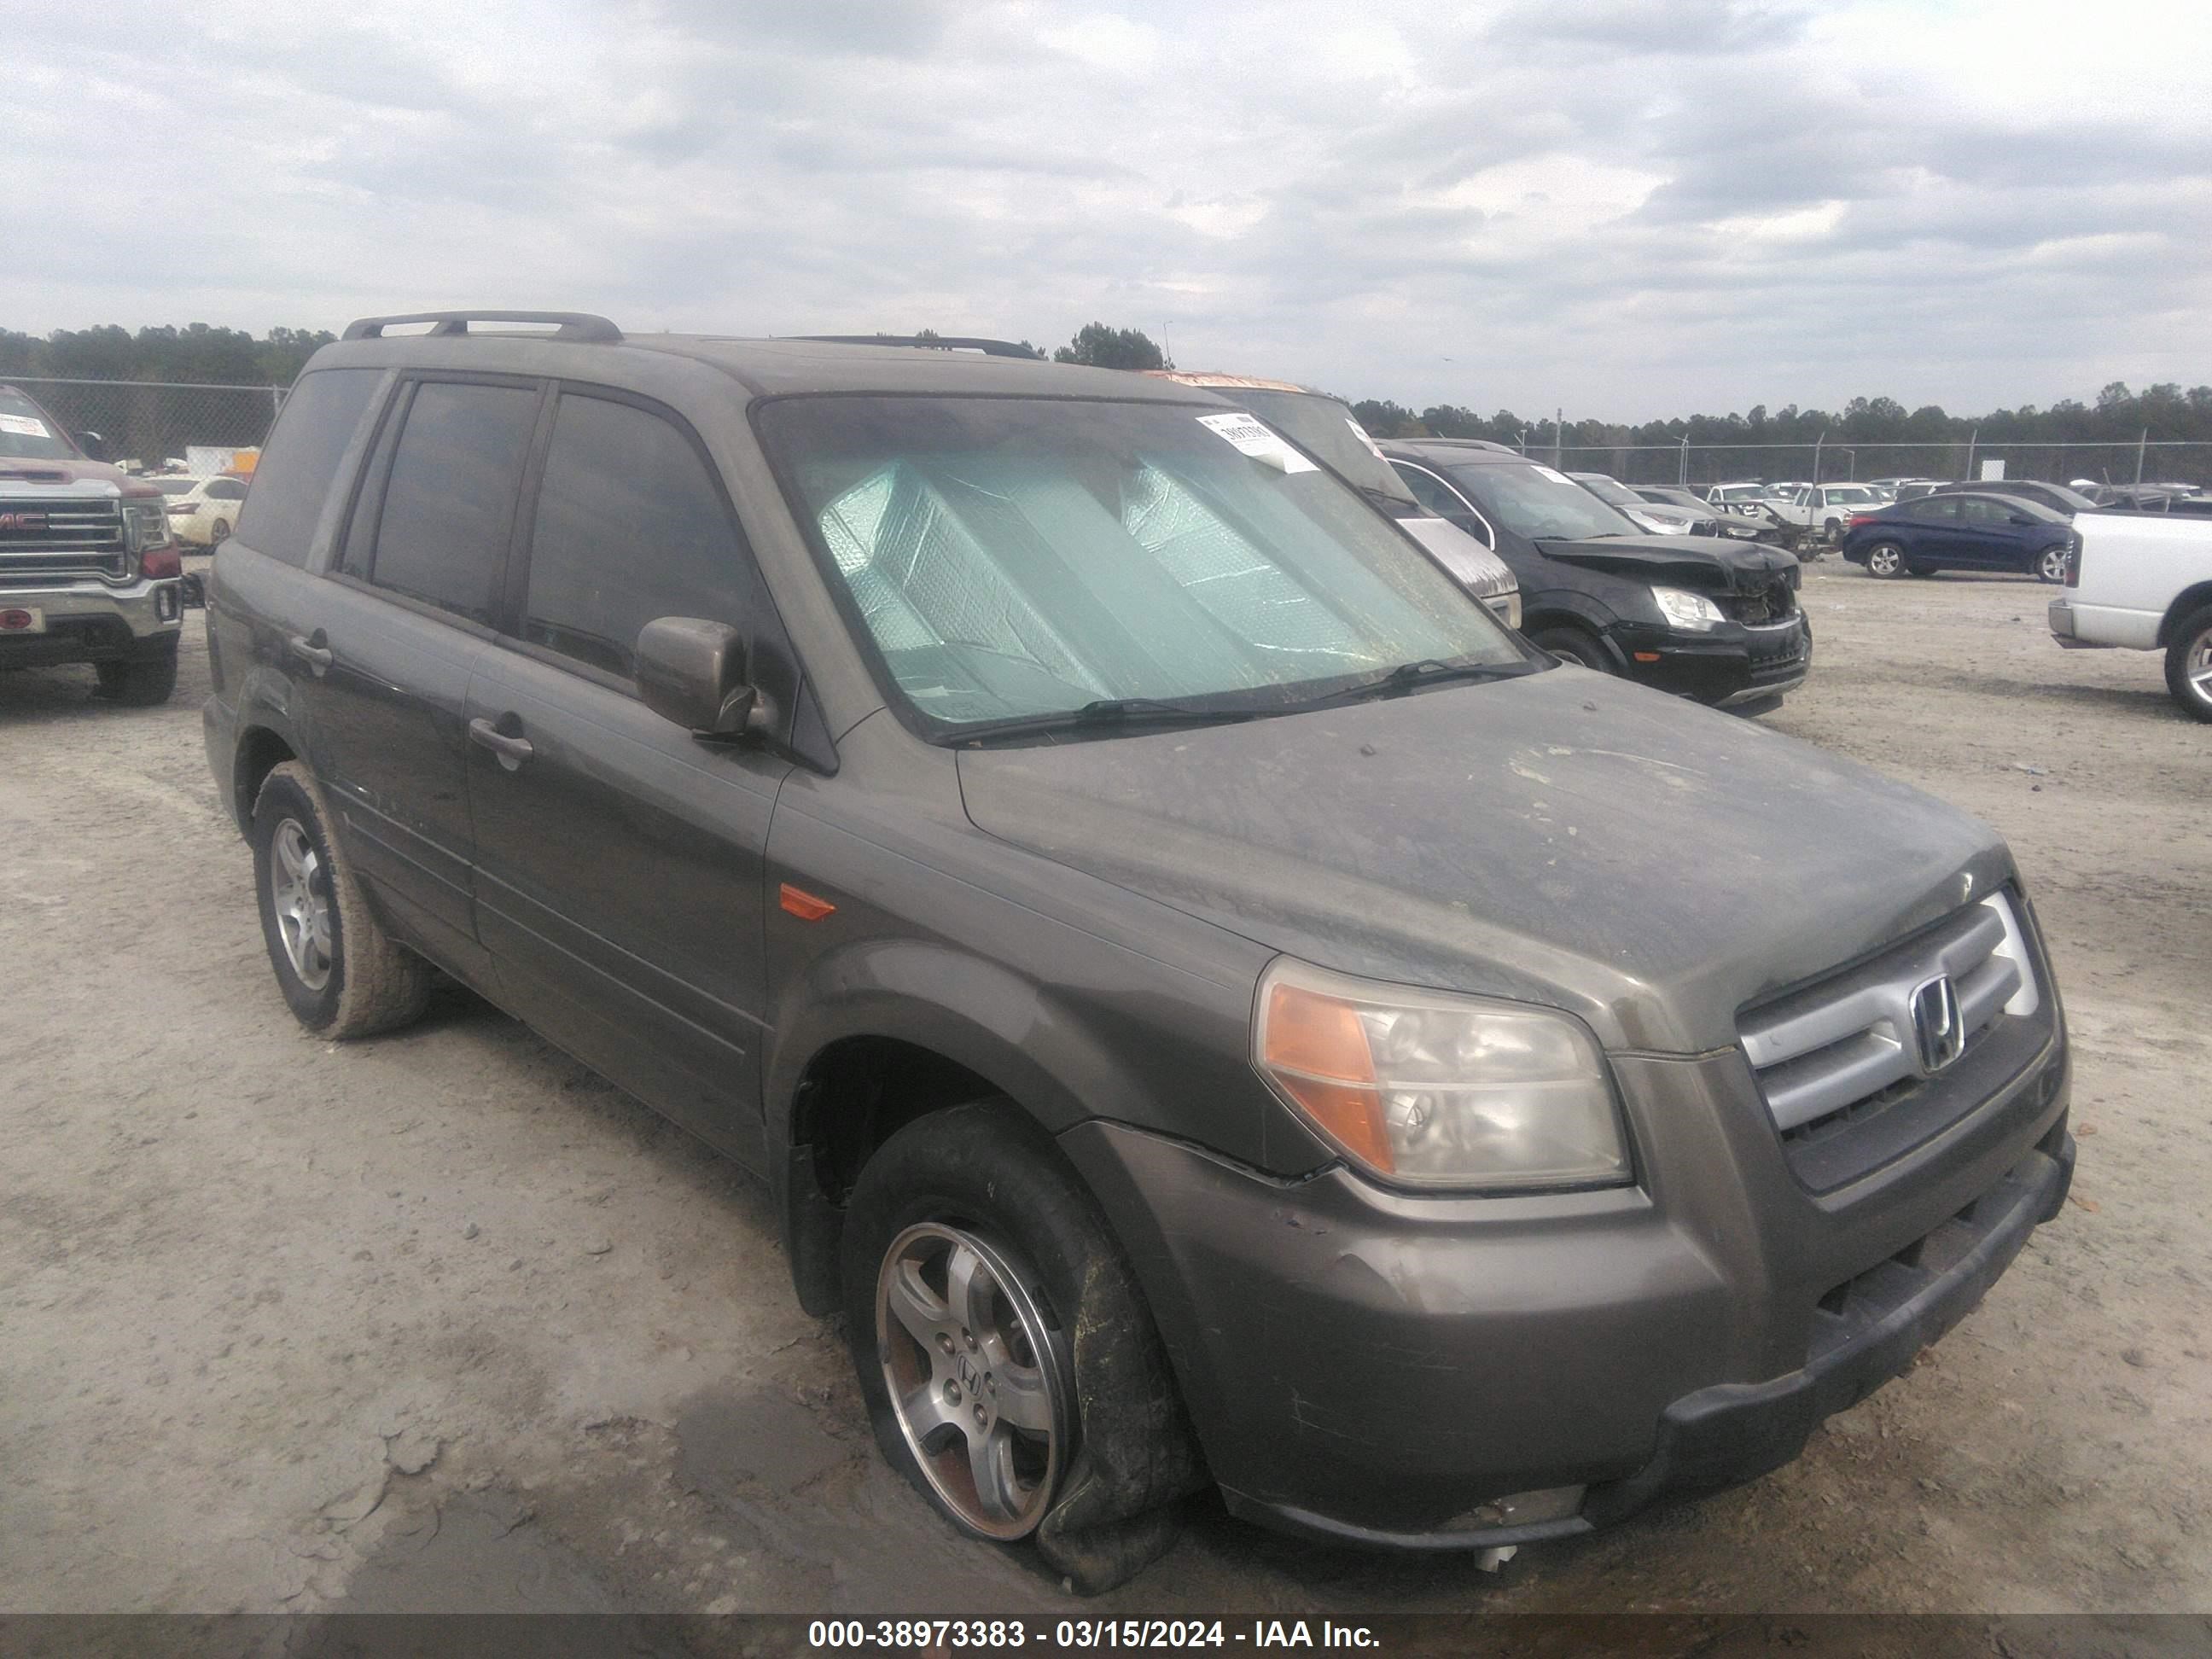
512 751
316 656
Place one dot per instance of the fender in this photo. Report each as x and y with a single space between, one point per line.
1040 1048
1571 607
264 703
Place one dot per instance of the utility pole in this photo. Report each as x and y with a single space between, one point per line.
2141 444
1682 474
1817 442
1972 440
1558 438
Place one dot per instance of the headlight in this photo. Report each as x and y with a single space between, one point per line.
1686 609
145 524
1660 527
1431 1089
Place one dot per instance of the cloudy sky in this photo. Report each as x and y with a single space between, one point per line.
1628 207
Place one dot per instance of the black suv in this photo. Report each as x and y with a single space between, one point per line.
1705 618
1212 1004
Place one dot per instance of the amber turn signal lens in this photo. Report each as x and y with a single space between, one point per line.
1317 1053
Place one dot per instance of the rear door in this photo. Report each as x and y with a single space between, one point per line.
620 859
407 612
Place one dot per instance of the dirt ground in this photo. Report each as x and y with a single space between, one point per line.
440 1321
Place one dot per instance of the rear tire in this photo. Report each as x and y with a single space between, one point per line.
219 535
1571 644
2189 664
145 682
1010 1366
1886 560
341 974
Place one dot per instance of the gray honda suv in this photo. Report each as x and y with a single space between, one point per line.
1214 1006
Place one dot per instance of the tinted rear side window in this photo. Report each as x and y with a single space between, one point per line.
450 504
630 528
299 461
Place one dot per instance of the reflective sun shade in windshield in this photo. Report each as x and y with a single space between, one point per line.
1014 557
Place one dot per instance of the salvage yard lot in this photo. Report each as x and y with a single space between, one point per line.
440 1320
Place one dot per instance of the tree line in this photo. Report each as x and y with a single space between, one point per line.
1730 445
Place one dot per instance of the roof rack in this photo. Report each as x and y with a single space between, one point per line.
580 326
938 342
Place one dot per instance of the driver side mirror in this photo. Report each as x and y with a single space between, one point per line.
2020 518
693 671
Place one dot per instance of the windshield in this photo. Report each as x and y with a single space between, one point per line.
1016 557
25 434
1326 430
175 486
1606 489
1535 501
2072 499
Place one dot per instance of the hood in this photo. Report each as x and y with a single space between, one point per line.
1561 838
14 469
1712 563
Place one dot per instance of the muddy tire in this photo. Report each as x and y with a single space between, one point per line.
2189 664
341 974
1010 1369
142 682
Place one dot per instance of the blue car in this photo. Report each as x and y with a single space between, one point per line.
1961 532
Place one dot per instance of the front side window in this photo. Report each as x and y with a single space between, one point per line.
300 463
629 528
1018 558
1538 502
1979 509
449 506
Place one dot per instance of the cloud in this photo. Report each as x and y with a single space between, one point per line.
1633 209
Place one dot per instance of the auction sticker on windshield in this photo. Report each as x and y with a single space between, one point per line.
24 426
1255 438
1556 478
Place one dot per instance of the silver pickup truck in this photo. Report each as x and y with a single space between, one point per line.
89 569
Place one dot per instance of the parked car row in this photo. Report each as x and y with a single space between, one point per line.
1199 987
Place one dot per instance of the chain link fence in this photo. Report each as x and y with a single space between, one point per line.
153 422
1698 465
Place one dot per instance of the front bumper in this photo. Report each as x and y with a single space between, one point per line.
1729 667
92 621
1388 1369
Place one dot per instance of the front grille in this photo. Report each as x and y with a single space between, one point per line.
49 540
1840 1063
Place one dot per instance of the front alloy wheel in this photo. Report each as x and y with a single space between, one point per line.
2050 564
976 1377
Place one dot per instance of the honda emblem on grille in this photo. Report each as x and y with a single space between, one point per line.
1936 1023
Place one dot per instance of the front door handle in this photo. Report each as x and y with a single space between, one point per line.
312 651
512 750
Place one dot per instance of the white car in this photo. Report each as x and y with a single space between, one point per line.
2144 584
1825 510
204 512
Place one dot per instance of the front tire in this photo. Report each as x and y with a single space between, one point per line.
2050 564
1886 560
220 534
143 682
1010 1366
2189 664
341 974
1571 644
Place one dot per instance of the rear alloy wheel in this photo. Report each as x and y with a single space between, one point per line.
1885 559
2189 664
219 535
2050 564
1571 644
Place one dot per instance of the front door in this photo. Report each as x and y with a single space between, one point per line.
619 859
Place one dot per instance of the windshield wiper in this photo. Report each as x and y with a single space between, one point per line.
1412 676
1105 714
